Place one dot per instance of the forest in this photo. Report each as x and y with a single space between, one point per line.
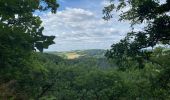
129 70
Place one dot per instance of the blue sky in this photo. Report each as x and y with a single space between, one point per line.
78 25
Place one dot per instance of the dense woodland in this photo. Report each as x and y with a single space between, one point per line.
128 71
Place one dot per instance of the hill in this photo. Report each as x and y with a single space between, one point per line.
96 53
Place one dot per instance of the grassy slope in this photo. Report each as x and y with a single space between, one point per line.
96 53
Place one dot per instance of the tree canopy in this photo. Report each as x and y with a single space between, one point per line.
21 35
153 13
21 30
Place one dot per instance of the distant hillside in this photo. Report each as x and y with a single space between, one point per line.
86 58
96 53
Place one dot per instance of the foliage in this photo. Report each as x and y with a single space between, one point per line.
58 78
133 49
29 75
78 81
20 35
154 15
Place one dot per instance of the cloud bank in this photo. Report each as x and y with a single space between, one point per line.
77 28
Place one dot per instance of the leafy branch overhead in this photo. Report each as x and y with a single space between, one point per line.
153 13
139 10
17 15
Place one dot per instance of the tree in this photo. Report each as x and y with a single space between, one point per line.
151 12
20 35
17 18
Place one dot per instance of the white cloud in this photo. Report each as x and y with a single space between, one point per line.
77 28
105 3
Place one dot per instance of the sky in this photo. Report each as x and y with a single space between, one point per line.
78 25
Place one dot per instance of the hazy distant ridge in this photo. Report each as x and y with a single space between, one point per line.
97 53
